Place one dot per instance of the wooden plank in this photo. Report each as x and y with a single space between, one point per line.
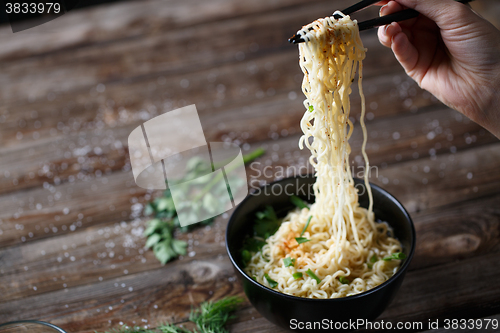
104 252
157 295
127 20
445 179
454 290
459 289
206 46
92 255
457 231
243 124
270 80
446 176
68 207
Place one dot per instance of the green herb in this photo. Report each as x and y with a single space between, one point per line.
305 227
161 228
253 244
301 240
297 275
372 260
267 223
246 257
298 202
310 108
271 282
344 280
211 317
396 256
250 245
171 328
314 276
288 261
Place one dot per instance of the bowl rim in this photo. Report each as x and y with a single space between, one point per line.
400 271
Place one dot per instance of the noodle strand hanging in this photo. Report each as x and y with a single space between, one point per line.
344 244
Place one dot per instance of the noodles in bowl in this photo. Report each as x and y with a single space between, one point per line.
332 248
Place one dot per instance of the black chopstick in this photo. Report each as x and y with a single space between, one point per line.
369 24
394 17
349 10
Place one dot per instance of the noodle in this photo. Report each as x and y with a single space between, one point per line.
343 236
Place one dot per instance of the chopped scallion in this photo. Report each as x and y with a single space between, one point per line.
314 276
396 256
288 261
344 280
297 275
301 240
310 108
271 282
307 225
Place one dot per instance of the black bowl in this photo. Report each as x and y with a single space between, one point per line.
288 311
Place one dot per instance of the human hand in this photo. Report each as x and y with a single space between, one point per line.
451 52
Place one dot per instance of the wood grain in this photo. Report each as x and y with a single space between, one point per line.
71 250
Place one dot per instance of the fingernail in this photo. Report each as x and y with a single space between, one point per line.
382 10
386 31
389 30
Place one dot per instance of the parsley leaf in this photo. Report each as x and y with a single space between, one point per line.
267 223
164 223
298 202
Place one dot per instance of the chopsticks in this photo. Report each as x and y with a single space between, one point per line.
369 24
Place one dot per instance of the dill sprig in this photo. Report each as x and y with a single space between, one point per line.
211 317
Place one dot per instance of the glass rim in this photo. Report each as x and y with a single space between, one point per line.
60 330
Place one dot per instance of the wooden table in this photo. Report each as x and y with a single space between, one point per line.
71 250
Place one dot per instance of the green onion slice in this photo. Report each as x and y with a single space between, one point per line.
272 283
301 240
344 280
307 225
314 276
288 261
395 256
